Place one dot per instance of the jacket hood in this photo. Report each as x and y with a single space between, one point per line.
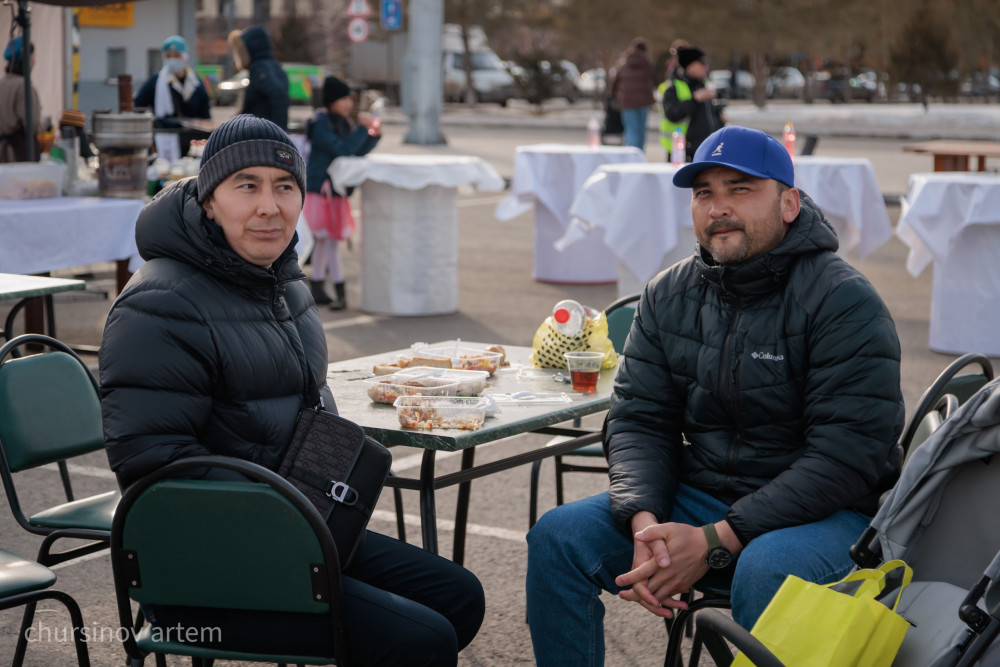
173 225
258 43
810 232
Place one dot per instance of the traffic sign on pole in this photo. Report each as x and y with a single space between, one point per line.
392 14
357 30
359 8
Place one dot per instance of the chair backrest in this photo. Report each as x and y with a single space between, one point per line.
229 545
620 314
50 409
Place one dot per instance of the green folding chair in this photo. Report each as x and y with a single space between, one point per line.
619 314
24 582
50 411
257 545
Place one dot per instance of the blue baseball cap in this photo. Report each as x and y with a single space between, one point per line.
750 151
174 43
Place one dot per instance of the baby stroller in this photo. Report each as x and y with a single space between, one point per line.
612 130
941 518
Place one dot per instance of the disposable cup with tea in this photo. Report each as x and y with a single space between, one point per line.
584 370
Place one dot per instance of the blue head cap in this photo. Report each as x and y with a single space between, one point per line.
15 49
174 43
749 151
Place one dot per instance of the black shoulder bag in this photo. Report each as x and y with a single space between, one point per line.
339 469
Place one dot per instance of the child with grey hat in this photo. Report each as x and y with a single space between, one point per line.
332 134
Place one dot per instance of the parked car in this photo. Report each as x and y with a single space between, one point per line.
305 81
842 86
981 84
593 83
786 82
491 80
720 80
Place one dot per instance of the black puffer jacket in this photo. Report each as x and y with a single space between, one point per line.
266 95
772 384
203 352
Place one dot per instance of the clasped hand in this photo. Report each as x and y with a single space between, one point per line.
668 559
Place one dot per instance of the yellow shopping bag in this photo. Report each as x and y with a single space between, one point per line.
850 623
548 345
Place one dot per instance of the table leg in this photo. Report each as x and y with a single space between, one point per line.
428 516
982 162
462 508
943 162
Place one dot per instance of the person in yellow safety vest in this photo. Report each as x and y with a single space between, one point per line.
687 102
666 127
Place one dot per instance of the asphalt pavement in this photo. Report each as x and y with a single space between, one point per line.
499 302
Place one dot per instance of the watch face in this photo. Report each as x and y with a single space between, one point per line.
719 558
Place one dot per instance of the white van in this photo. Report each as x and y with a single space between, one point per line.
491 81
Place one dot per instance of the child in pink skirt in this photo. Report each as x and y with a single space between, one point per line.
331 135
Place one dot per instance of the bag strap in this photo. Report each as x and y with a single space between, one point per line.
898 576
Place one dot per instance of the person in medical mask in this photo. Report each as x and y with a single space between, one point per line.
174 93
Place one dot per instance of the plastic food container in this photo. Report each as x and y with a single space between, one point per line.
387 388
457 412
470 383
468 358
31 180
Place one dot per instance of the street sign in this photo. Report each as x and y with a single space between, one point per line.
359 8
392 14
357 30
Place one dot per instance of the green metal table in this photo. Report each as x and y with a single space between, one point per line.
26 288
380 422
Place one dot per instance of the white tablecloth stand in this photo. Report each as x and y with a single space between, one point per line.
40 235
953 219
409 227
848 193
548 177
645 220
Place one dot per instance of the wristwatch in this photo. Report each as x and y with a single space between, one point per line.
718 556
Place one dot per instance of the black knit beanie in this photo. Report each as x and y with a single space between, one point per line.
247 141
689 54
333 90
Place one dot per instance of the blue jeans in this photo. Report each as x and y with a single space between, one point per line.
634 124
575 551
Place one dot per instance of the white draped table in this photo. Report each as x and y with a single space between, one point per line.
646 221
409 223
40 235
548 177
953 219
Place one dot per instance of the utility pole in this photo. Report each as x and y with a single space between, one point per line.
421 77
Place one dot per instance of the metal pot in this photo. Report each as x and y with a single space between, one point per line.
123 130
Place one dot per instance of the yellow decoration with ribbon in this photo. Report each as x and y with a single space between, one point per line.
549 345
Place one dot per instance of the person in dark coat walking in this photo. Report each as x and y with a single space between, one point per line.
267 94
211 349
633 89
688 103
754 420
13 122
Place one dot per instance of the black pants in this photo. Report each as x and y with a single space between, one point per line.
402 606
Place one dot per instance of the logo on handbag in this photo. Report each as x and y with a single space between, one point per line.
283 156
338 491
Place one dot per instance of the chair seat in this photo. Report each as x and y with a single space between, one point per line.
95 512
159 640
18 575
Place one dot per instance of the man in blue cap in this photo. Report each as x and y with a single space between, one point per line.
754 419
172 94
13 140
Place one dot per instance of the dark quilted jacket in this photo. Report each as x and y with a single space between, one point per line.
772 384
267 94
203 352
